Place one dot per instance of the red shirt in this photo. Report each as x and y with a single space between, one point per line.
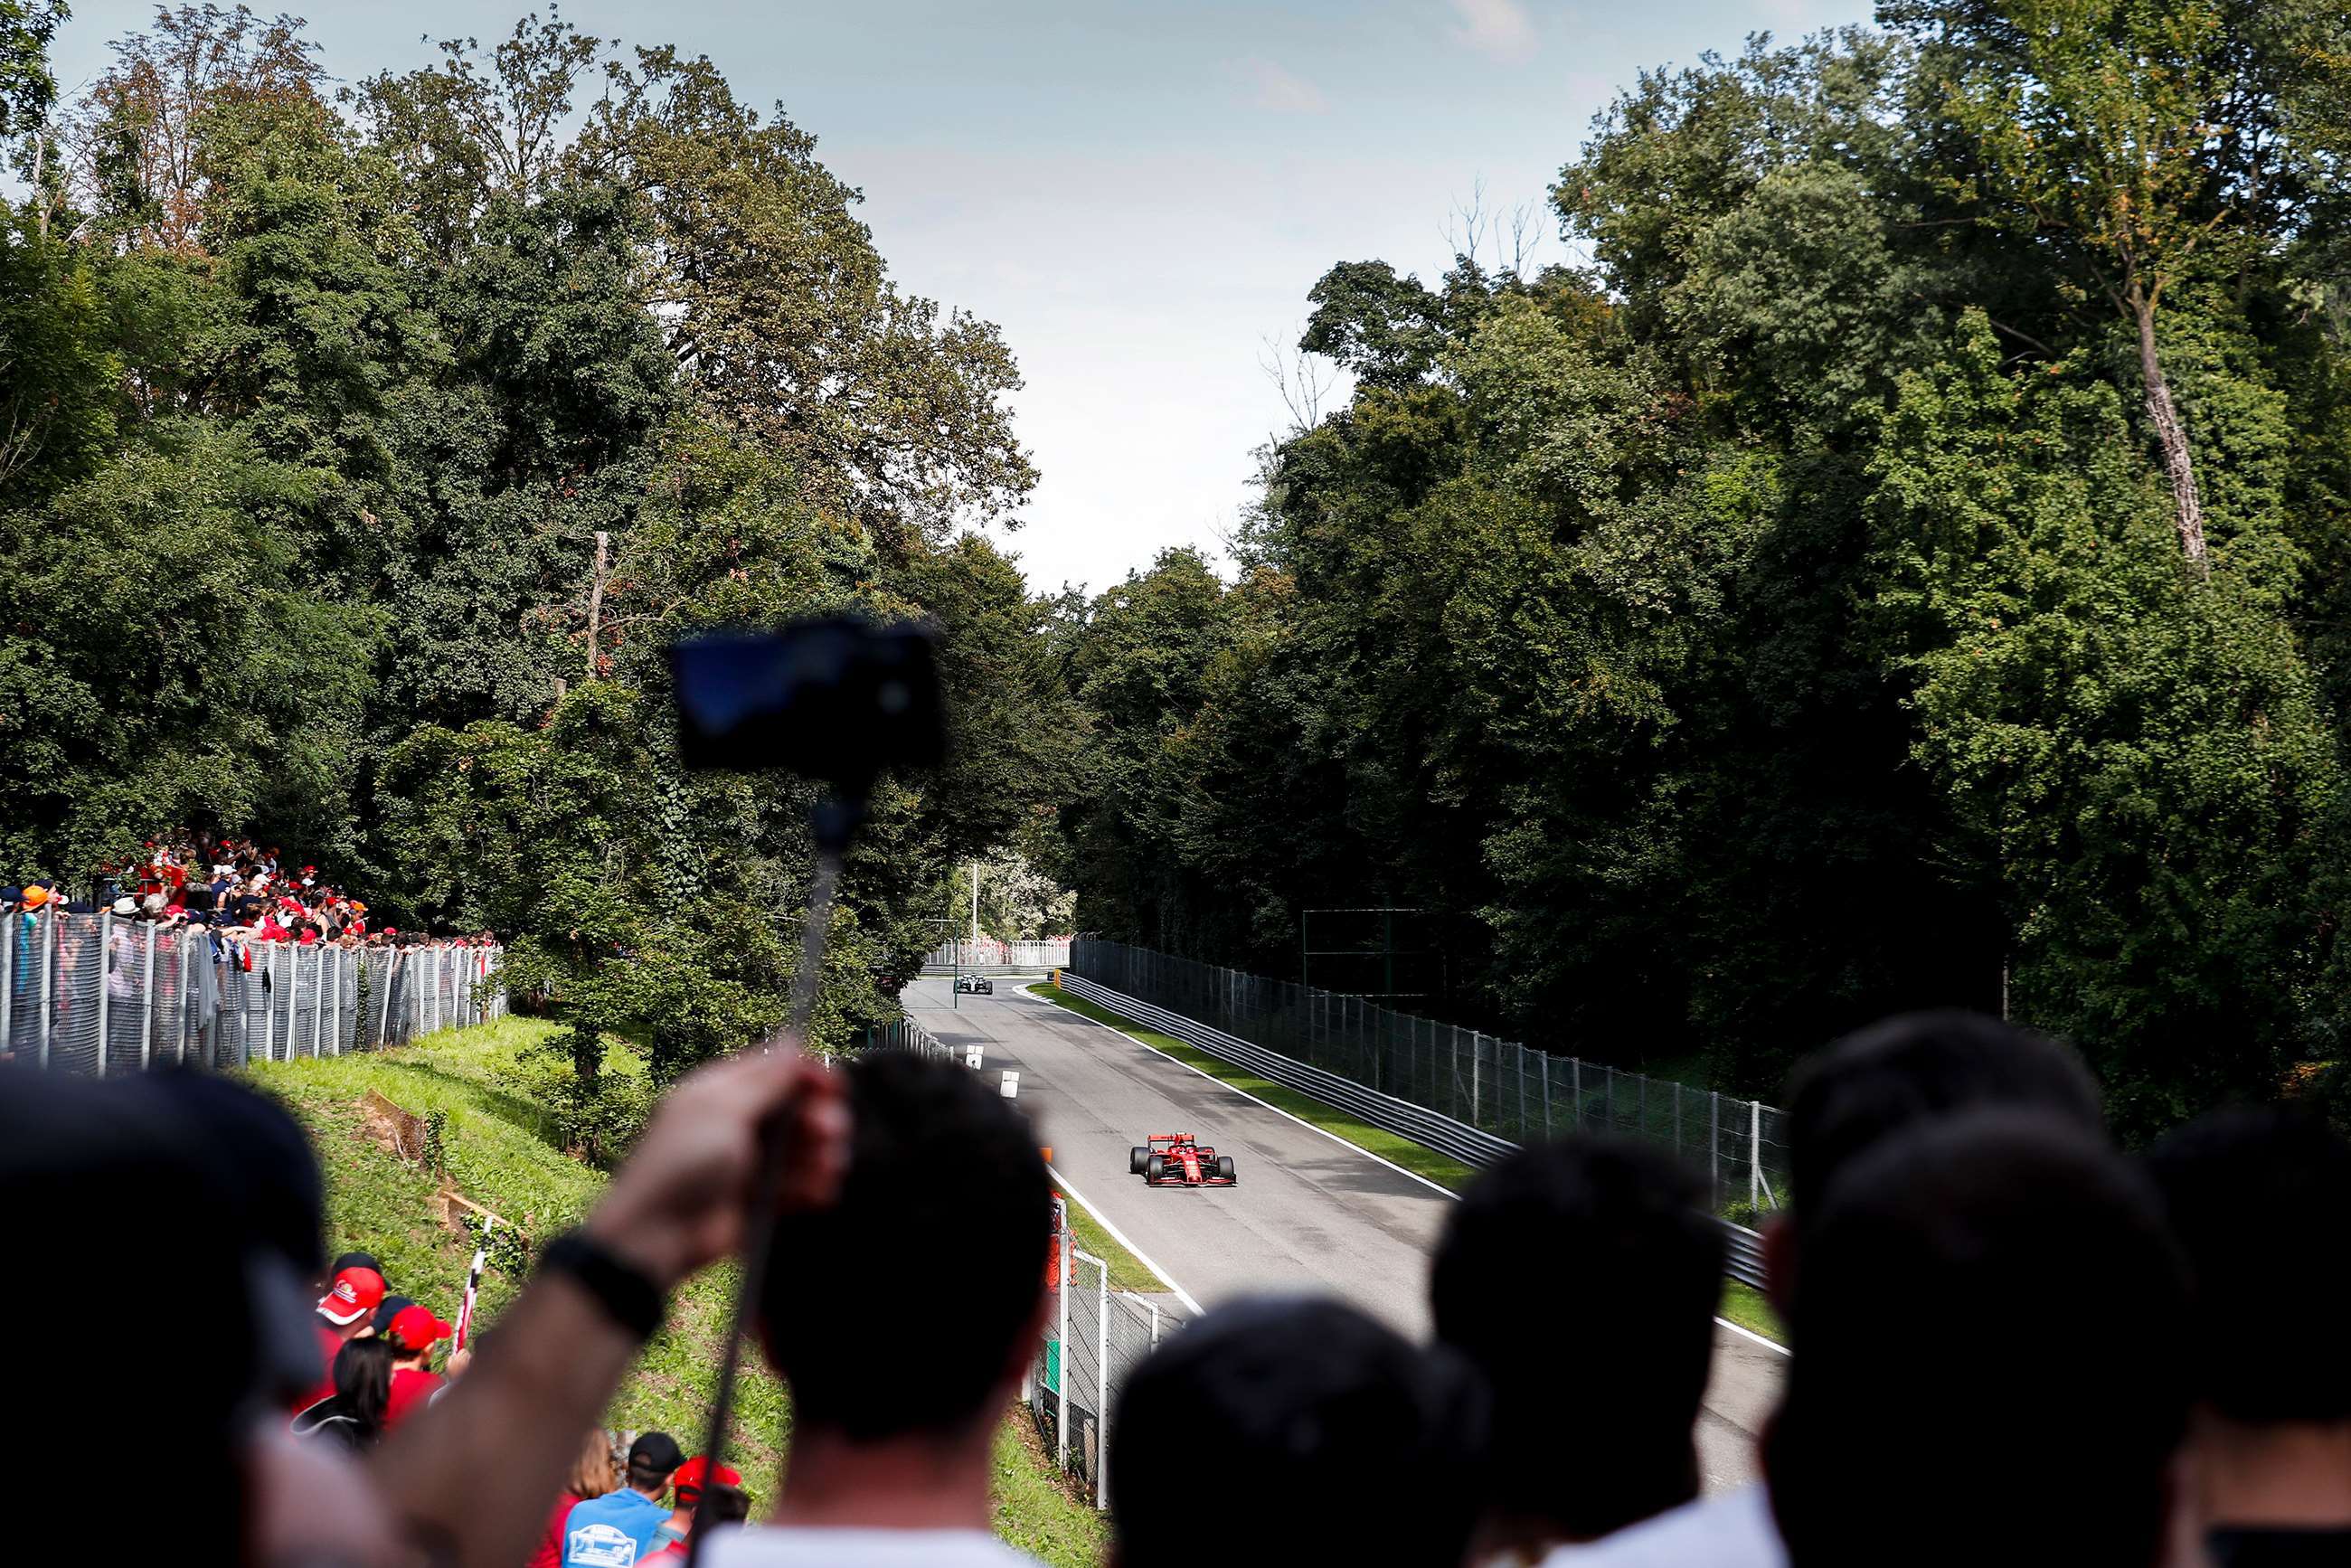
410 1387
550 1554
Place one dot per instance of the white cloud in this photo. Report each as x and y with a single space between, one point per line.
1277 89
1499 27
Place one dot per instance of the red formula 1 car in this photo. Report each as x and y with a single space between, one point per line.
1178 1159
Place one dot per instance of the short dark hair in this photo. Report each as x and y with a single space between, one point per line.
1913 1068
2255 1198
1990 1308
653 1458
1356 1444
943 1167
1565 1249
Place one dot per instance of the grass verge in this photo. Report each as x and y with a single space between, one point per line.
487 1083
1742 1304
1751 1309
1412 1157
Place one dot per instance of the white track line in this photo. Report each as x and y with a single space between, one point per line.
1119 1235
1024 991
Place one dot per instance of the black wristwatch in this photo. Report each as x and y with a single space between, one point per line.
635 1302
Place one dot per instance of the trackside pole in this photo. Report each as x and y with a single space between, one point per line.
47 927
1061 1381
147 1007
1101 1388
105 983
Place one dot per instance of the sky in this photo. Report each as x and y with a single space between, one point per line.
1139 194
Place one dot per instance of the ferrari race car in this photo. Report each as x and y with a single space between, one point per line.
975 984
1178 1159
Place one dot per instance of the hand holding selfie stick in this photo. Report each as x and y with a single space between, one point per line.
838 699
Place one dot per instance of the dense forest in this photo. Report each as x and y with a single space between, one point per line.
360 446
1907 562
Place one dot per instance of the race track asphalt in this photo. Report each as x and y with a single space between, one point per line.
1309 1213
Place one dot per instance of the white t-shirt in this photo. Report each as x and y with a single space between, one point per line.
763 1546
1732 1530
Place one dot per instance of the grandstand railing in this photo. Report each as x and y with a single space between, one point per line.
96 994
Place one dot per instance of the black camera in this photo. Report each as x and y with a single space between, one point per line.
838 698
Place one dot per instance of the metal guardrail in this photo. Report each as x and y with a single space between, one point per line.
1458 1140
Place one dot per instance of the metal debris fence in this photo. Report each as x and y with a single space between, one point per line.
95 995
1496 1086
986 953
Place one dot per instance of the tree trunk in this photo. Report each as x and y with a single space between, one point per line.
596 601
2178 462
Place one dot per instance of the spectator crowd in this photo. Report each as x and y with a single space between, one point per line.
237 890
2012 1342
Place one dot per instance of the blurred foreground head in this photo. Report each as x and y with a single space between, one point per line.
2257 1199
944 1169
1590 1245
1988 1369
131 1204
1334 1439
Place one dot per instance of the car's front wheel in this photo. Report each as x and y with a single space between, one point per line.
1137 1158
1225 1167
1154 1169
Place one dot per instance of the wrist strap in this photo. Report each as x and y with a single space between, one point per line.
633 1302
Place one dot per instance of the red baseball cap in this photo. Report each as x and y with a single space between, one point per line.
415 1328
355 1293
688 1479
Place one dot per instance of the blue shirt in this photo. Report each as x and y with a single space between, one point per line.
615 1531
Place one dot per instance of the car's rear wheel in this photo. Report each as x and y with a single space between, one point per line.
1155 1168
1136 1158
1225 1167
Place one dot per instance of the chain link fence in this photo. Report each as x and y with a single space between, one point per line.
97 995
1495 1085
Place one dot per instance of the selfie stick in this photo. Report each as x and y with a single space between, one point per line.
831 822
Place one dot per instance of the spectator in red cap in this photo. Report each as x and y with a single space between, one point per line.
414 1331
685 1492
344 1314
722 1504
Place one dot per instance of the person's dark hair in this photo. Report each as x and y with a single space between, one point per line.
363 1383
1915 1068
2256 1197
1354 1444
936 1154
1991 1308
1560 1251
653 1458
353 1260
721 1504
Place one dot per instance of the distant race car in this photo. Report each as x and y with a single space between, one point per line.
975 985
1178 1159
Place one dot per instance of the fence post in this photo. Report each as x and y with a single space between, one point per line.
187 950
1545 1058
1474 1038
147 1004
1754 1151
1714 1145
1062 1383
1575 1092
8 955
105 983
318 998
383 1030
1102 1387
47 927
1678 1118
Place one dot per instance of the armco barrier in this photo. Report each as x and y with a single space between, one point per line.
1427 1128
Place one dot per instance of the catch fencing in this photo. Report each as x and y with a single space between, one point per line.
97 995
1492 1085
988 953
1095 1336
